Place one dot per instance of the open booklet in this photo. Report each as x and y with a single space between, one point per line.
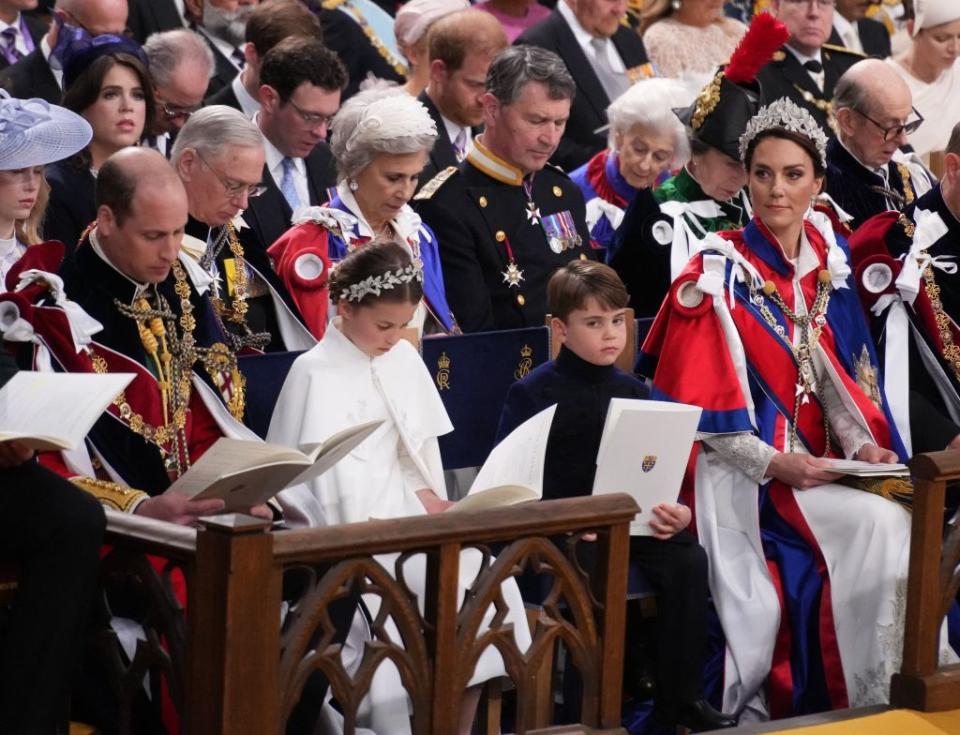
53 411
247 473
856 468
644 451
513 473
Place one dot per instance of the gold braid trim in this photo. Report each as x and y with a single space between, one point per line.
398 66
950 350
707 101
908 195
111 494
895 489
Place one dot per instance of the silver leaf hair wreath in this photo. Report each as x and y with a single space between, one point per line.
383 282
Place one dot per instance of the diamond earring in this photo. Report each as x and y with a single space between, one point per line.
352 185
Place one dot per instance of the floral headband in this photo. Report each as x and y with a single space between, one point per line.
383 282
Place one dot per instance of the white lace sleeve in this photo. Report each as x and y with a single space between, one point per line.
845 427
744 450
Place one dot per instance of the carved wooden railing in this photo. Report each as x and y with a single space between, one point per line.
233 667
931 589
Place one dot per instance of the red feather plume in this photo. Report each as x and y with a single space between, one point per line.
765 35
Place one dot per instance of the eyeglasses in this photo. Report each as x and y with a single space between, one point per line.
895 130
172 112
820 3
234 188
313 119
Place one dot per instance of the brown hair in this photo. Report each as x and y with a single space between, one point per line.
85 90
801 140
272 21
579 280
371 260
454 36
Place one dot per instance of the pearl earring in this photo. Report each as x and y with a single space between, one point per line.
675 5
352 185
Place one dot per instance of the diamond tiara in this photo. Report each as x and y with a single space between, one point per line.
785 115
383 282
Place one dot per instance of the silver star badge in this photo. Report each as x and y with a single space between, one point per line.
512 275
533 213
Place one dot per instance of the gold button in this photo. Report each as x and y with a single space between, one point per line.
557 191
520 299
501 235
483 201
583 256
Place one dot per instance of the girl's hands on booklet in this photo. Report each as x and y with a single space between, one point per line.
431 502
669 519
875 455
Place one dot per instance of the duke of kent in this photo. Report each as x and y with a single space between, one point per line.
505 219
132 309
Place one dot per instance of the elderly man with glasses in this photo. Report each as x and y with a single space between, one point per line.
867 172
219 156
807 68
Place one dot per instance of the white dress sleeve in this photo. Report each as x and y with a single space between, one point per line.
749 453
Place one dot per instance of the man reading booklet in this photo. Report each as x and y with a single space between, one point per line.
588 301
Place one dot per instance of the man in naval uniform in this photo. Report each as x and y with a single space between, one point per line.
505 220
866 172
806 69
907 260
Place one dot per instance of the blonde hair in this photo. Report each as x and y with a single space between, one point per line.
28 230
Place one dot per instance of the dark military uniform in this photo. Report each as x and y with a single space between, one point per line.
498 248
862 193
786 77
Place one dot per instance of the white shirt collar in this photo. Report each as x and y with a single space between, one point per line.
95 244
46 51
222 46
803 58
248 104
807 260
274 158
406 223
453 130
585 38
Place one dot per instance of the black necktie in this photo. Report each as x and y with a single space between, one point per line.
812 66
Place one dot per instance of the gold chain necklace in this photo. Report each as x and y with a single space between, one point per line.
810 326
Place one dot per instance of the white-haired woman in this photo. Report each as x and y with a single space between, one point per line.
646 139
381 140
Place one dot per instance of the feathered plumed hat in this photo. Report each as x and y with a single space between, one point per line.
720 113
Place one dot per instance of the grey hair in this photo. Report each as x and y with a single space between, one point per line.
211 130
517 66
168 50
650 103
378 120
851 93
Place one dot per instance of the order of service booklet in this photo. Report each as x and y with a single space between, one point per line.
644 451
247 473
513 472
53 411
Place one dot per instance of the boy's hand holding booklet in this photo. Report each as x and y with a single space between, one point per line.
247 473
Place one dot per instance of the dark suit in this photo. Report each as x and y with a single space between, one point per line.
146 17
786 77
37 30
589 109
344 36
53 530
442 154
31 77
269 214
225 96
72 204
224 70
873 37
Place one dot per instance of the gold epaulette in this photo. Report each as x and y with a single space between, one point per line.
843 50
433 186
111 494
332 4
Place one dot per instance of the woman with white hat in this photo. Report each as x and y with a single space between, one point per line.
931 68
33 133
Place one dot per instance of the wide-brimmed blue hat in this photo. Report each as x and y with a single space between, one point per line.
33 133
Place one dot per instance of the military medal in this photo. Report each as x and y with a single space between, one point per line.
512 275
533 211
556 244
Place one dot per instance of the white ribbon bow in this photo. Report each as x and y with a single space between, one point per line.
929 228
681 250
742 268
837 264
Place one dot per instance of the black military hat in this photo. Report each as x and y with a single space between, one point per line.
720 113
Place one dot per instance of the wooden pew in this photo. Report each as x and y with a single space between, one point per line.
931 589
234 669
